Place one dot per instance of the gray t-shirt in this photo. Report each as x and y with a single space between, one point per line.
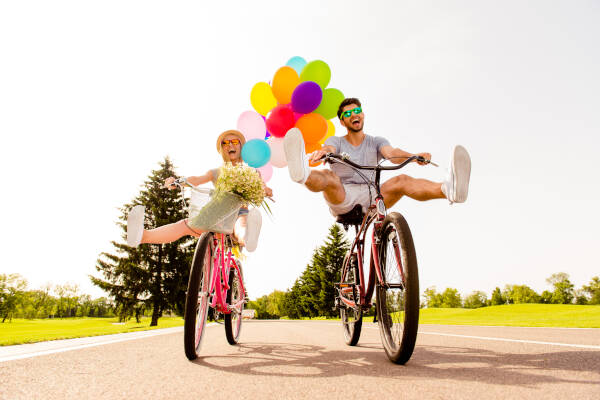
366 153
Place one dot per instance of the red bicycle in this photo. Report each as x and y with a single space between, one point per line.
393 272
215 281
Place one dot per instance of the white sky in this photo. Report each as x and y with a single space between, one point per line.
94 94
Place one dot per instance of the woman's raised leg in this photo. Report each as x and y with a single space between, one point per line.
169 233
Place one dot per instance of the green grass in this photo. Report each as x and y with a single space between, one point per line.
544 315
38 330
540 315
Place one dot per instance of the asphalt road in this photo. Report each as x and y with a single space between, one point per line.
308 359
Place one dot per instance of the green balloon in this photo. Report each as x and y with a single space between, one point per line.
332 99
317 71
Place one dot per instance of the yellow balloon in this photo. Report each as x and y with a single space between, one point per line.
262 99
330 131
284 82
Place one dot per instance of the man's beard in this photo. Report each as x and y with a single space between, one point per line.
353 129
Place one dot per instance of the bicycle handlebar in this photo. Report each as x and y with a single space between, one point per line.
345 159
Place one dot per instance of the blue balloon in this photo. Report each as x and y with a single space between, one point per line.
297 63
256 153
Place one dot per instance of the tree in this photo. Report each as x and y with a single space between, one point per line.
497 298
564 291
68 299
593 290
150 276
546 297
451 298
12 287
432 298
475 300
327 262
517 294
313 293
580 297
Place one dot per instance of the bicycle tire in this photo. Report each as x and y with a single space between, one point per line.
398 298
233 321
197 299
351 317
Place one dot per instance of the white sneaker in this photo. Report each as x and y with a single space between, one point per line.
293 145
456 186
135 226
253 224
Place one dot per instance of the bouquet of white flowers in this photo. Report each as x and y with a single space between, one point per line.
241 180
236 186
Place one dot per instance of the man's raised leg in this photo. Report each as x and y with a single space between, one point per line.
455 188
316 181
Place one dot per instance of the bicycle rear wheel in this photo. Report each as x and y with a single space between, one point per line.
351 316
197 299
398 295
235 299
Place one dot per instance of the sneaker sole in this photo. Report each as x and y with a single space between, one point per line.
253 223
293 145
135 226
461 167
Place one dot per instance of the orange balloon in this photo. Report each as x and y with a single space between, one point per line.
330 132
310 147
284 82
313 127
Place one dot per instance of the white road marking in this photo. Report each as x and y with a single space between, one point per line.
18 352
581 346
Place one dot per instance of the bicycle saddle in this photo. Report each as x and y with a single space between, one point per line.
352 217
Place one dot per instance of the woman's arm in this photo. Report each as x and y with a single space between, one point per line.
201 179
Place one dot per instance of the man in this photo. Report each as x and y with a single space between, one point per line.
343 188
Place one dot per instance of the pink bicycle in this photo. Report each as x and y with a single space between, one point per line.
216 281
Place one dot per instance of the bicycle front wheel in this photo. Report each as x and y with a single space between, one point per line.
349 288
197 300
398 294
235 300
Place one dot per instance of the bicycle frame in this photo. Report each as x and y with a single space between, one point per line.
374 216
223 262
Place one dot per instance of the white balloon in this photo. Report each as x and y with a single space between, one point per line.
277 154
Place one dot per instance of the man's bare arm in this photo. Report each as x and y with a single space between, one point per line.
398 156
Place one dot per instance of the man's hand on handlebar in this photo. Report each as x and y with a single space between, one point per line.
317 155
426 158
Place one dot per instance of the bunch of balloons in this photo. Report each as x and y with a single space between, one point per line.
296 97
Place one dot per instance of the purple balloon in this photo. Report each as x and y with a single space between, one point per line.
306 97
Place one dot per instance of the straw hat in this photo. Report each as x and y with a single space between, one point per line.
230 132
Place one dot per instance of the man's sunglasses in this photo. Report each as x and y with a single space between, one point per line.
348 113
232 141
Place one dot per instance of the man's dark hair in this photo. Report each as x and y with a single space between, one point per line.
349 100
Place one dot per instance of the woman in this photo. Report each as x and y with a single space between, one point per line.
247 226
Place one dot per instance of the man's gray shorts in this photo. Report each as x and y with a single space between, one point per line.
355 194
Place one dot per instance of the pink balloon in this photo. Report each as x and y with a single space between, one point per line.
277 153
266 172
252 125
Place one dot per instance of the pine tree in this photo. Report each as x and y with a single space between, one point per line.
151 276
328 262
313 293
